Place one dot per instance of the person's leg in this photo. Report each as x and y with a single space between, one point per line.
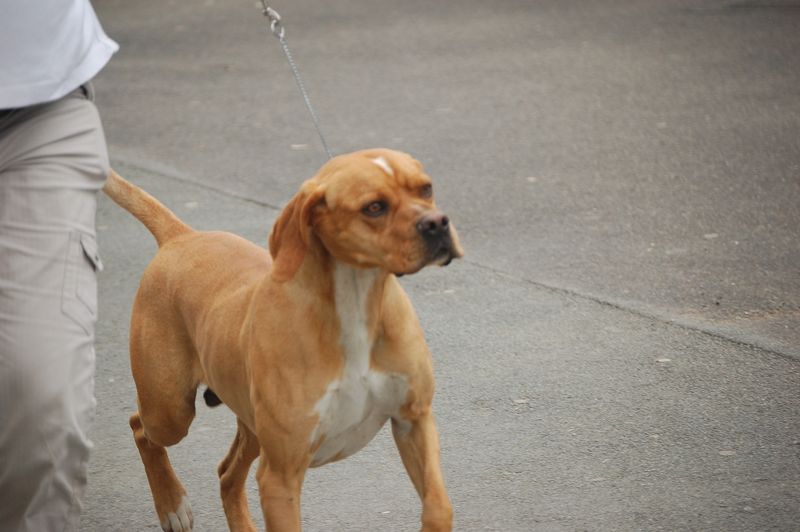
53 160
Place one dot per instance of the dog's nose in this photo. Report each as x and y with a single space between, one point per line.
433 225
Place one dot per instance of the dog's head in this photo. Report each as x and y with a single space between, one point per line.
370 209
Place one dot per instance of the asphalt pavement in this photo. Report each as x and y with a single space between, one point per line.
620 348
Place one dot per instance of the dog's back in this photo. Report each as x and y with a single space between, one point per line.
219 257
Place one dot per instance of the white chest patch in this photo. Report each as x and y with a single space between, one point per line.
356 405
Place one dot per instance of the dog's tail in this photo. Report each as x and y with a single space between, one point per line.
158 219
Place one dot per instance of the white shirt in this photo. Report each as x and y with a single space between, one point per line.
48 48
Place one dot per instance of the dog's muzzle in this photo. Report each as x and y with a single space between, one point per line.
434 228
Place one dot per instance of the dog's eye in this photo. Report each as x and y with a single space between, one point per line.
426 191
375 209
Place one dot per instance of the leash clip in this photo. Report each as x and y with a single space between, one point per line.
274 17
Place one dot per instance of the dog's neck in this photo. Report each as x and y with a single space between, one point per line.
354 295
355 290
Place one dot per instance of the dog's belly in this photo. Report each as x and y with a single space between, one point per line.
352 411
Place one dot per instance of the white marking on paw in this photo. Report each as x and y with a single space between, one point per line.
181 520
384 164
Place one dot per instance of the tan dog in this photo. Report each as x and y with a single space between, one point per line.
314 345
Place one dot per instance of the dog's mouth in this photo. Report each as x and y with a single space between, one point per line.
441 255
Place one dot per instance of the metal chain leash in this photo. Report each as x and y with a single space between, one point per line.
276 26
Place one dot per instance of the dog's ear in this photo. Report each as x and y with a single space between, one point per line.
291 234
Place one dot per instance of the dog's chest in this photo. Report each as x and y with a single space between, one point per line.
357 404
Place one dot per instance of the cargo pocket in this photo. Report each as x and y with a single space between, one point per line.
79 298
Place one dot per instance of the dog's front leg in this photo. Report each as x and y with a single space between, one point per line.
279 486
418 443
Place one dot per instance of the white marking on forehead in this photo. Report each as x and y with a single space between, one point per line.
384 164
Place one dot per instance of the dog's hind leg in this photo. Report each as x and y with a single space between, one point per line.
166 372
233 476
172 506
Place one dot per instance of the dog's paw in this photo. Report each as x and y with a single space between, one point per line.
181 520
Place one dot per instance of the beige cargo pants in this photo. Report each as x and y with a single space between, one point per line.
53 161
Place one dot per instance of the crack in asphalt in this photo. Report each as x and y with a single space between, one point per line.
152 167
640 311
